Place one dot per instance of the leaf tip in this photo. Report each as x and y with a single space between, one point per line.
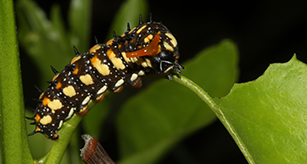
294 57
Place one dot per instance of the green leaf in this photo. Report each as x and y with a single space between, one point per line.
47 41
267 117
43 39
165 113
79 18
14 144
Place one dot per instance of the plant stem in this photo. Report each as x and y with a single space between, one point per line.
13 138
217 110
58 148
196 89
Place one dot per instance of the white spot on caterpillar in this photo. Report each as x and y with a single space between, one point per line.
141 73
133 77
86 100
60 124
71 112
119 83
101 90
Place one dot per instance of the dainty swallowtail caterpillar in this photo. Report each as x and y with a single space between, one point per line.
149 48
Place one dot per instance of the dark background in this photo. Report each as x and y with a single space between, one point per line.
265 31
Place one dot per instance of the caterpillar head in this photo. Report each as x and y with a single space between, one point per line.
162 52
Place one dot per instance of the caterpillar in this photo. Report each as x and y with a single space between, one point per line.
148 48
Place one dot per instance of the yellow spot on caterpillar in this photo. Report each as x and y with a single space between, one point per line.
115 60
173 40
134 59
101 68
125 57
55 76
168 47
110 42
144 63
148 62
55 105
131 30
76 58
139 30
46 120
69 91
86 79
41 96
148 38
94 48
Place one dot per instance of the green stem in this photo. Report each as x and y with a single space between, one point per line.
196 89
216 109
58 148
203 95
14 144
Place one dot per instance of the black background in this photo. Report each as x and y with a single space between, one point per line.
265 31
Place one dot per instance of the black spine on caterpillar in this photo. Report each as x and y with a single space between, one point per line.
149 48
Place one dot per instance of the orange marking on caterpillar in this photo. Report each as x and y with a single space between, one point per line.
76 71
59 85
151 50
37 118
46 101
